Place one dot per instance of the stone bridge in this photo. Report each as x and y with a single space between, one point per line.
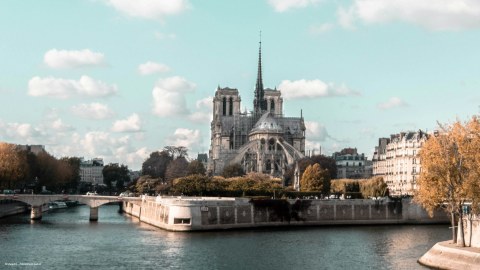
94 201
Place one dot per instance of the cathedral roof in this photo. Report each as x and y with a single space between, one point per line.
267 123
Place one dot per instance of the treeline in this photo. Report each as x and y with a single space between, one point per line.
168 172
24 170
360 188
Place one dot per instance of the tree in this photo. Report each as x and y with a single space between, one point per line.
192 185
176 169
146 184
315 179
450 171
373 187
74 179
196 167
156 164
232 170
303 163
13 165
115 173
327 163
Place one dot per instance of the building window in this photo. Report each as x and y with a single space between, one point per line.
269 166
414 161
224 106
181 221
230 106
272 105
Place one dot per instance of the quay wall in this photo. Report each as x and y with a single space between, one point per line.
9 208
211 213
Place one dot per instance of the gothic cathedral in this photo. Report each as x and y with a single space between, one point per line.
263 140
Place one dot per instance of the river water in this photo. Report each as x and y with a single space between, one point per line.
65 239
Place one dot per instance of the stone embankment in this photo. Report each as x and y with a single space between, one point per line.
209 213
9 208
445 255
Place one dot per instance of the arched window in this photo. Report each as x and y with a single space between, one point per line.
269 166
272 105
224 106
230 108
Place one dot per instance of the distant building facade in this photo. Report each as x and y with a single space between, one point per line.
397 160
262 140
352 165
35 149
91 171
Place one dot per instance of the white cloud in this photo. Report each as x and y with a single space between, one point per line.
313 146
152 67
312 89
131 124
284 5
346 17
320 28
94 110
59 126
430 14
149 9
393 102
20 132
316 131
168 96
204 111
65 88
186 137
73 59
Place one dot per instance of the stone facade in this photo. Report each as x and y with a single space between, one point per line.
262 140
397 160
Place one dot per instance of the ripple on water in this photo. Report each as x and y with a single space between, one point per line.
66 239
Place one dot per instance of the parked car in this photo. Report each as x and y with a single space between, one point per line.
92 193
127 194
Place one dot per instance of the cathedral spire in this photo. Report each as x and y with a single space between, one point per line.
259 103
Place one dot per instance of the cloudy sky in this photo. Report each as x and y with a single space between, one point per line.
119 79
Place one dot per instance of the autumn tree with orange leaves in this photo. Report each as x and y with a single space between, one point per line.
450 172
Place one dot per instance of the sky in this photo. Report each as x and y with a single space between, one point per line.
119 79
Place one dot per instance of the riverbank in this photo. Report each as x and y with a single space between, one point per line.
213 213
9 208
445 255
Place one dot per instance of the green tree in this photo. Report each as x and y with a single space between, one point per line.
315 179
192 185
115 173
147 184
156 164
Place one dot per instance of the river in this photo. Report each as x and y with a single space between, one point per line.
65 239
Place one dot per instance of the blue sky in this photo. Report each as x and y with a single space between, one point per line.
119 79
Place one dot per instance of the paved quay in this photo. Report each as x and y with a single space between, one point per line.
445 255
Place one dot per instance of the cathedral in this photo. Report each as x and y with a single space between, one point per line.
262 140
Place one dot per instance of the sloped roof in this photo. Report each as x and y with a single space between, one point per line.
267 123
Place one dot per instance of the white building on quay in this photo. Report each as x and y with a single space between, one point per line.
352 165
397 160
91 171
